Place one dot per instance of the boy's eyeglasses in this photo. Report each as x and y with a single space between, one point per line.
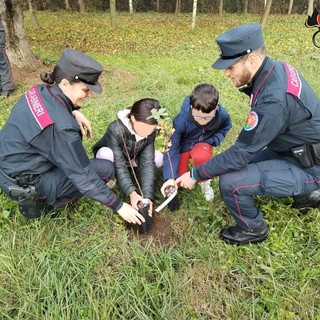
207 118
202 118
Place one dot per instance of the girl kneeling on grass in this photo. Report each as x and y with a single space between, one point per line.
128 143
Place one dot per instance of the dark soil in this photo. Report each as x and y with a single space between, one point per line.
27 76
160 231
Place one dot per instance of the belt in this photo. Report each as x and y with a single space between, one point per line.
287 153
20 180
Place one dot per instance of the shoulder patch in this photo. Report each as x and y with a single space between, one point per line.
251 121
38 108
294 84
251 126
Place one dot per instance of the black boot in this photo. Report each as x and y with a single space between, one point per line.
31 209
307 201
35 210
237 235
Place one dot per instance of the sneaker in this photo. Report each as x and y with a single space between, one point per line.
207 190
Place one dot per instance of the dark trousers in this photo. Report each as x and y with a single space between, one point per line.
6 81
57 190
267 175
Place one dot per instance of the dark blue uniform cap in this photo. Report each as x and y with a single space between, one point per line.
81 67
236 43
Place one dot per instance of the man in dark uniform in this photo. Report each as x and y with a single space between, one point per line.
278 150
6 80
42 159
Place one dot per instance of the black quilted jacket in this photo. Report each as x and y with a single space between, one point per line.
119 139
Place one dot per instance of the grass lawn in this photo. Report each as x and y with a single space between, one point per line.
86 265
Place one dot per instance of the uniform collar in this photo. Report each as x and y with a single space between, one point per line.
58 94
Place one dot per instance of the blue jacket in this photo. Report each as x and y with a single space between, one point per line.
188 132
285 113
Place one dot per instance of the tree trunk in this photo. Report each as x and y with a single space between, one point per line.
178 7
18 49
130 7
194 14
158 5
220 8
310 7
82 6
33 16
265 13
113 14
290 6
246 2
67 4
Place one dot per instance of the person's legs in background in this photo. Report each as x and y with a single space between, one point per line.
6 79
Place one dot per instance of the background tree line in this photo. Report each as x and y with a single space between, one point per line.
20 54
174 6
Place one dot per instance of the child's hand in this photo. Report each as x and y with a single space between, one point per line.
150 208
134 199
169 182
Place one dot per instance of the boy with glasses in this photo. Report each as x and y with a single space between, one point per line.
201 124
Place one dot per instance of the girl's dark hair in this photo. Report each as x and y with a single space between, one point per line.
204 97
56 76
141 110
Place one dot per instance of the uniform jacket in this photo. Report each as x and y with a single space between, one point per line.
285 113
121 138
38 137
188 133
